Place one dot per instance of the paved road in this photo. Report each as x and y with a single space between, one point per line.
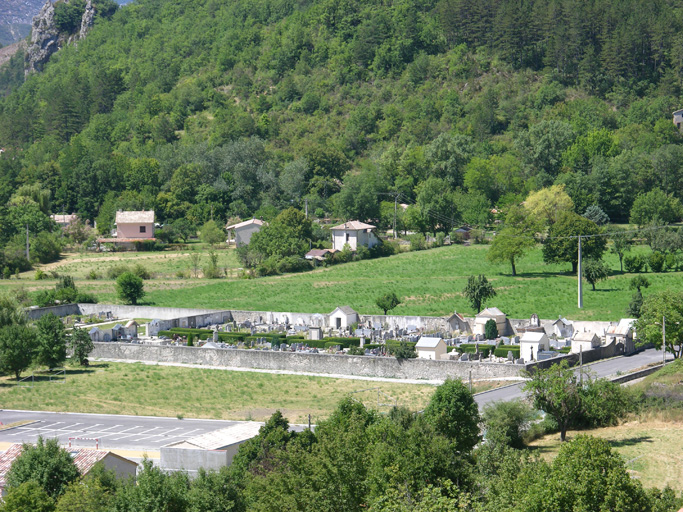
113 431
600 369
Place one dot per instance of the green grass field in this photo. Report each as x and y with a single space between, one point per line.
427 282
138 389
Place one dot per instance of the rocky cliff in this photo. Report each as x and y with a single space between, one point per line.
46 37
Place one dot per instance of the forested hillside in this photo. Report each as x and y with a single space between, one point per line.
243 107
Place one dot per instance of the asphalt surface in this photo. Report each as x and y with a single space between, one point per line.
111 431
606 368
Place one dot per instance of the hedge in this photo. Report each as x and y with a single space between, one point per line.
503 351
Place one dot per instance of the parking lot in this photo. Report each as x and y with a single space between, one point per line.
107 431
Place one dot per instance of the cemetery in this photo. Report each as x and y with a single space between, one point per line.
490 345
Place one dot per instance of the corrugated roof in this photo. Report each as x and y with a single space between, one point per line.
249 222
624 326
141 217
562 321
353 225
425 342
219 439
584 336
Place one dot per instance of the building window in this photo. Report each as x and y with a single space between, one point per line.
143 229
347 237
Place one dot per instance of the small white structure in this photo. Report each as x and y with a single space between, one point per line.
583 341
624 332
343 317
211 450
531 343
315 333
678 118
242 231
431 348
354 233
563 328
490 313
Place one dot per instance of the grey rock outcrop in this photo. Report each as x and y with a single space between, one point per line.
88 20
44 39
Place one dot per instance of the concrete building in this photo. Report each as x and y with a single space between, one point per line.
342 317
354 233
563 328
431 348
583 341
678 118
242 231
490 313
211 450
531 343
132 227
624 333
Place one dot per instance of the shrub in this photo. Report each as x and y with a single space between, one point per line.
190 340
404 351
356 351
491 329
40 275
417 242
141 271
503 350
93 275
634 264
115 271
86 298
507 422
656 262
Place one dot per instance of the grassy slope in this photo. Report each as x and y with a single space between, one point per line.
120 388
649 442
428 283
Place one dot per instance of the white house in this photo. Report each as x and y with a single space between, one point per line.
530 344
354 233
430 348
583 341
490 313
242 231
624 333
343 317
563 328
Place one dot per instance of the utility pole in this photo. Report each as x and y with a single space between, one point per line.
27 254
395 204
663 339
579 272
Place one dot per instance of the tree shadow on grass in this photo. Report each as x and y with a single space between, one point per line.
605 290
539 274
630 441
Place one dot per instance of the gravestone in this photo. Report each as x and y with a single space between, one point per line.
465 357
510 356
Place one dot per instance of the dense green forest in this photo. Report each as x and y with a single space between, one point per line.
201 109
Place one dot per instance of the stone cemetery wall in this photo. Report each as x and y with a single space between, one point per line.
121 311
64 310
363 366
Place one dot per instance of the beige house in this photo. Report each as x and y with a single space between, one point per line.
135 225
84 459
490 313
64 221
531 343
583 341
431 348
355 234
241 232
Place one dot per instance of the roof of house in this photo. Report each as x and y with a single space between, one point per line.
584 336
319 253
94 330
624 326
353 225
132 323
245 223
347 310
123 240
491 312
532 337
563 321
142 217
84 459
219 439
678 112
427 342
6 460
64 219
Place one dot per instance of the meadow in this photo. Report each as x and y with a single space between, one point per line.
427 283
150 390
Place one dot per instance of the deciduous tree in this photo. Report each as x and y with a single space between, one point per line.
81 344
17 348
478 291
455 414
51 336
514 240
562 242
387 302
664 306
594 271
130 288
